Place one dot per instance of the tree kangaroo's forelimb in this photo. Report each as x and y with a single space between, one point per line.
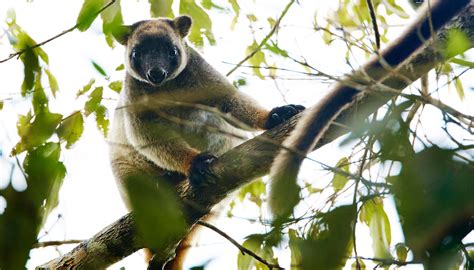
317 119
250 160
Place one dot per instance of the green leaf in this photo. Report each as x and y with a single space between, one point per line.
254 243
202 24
94 100
1 104
88 13
86 88
39 101
35 133
239 82
294 239
26 211
53 84
116 86
157 228
273 47
161 8
45 176
71 128
374 216
339 180
112 22
257 59
329 243
102 120
433 193
31 71
99 69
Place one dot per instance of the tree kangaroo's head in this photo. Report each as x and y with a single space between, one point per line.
155 49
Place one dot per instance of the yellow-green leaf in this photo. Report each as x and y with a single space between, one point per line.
35 133
257 59
161 8
373 214
86 88
361 265
459 88
253 243
402 252
94 100
236 9
202 24
102 119
116 86
339 180
253 191
71 128
112 22
456 43
53 83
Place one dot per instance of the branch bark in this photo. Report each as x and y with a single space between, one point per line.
253 159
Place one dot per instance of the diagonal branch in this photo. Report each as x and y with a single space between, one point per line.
20 52
242 249
252 159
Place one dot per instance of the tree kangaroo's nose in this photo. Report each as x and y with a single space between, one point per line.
156 75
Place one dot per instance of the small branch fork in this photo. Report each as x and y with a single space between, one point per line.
264 41
242 249
20 52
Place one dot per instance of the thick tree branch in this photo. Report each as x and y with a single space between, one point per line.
252 159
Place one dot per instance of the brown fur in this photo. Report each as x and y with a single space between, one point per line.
158 128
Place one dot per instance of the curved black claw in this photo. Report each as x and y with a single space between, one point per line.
279 115
200 169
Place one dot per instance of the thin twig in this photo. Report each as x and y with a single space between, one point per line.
242 249
264 41
20 52
56 243
374 23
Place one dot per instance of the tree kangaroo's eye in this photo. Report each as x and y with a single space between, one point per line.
134 54
173 52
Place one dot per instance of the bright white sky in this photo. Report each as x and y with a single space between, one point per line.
89 199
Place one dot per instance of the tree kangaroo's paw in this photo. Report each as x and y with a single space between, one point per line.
200 169
279 115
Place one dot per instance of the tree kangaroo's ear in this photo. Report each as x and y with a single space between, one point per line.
183 24
122 33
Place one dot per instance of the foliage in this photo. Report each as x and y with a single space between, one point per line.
390 159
